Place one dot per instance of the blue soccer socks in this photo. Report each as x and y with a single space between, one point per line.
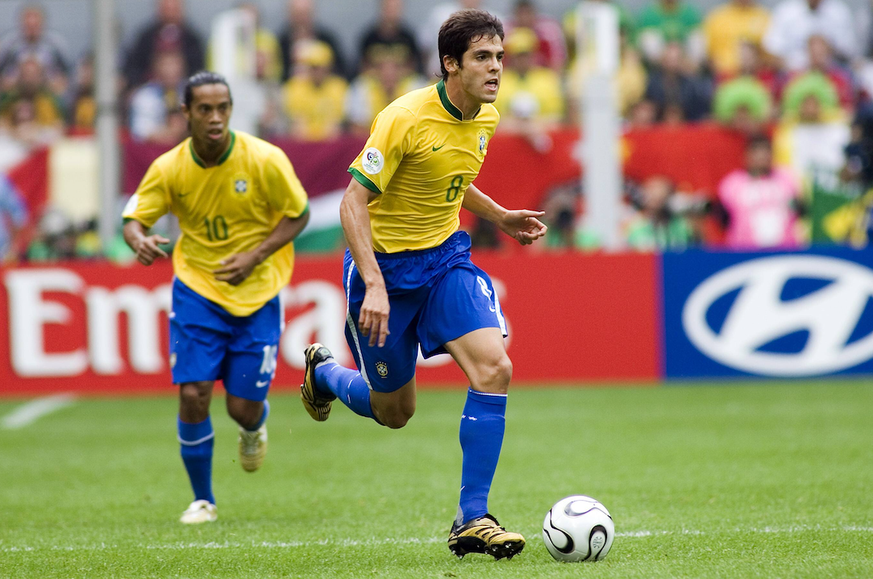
347 385
262 419
197 441
482 426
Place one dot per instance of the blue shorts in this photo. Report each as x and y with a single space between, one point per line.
208 343
436 295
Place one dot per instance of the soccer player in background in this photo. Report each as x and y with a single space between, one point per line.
239 205
407 257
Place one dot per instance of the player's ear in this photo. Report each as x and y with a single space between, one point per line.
187 112
451 64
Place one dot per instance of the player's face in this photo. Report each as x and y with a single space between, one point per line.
209 113
481 68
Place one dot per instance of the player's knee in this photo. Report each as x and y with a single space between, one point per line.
399 415
395 421
495 376
194 396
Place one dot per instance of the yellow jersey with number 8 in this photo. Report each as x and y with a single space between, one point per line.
420 157
223 210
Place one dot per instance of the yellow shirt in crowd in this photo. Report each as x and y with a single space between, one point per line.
315 112
540 85
727 27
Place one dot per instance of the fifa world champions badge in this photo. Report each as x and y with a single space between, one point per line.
373 161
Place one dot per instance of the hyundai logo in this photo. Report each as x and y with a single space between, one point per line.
784 316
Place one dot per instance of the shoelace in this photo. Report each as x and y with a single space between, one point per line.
489 531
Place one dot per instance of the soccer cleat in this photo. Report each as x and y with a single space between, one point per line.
199 512
252 448
316 404
484 535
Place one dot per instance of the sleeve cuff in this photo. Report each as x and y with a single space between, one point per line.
301 214
363 180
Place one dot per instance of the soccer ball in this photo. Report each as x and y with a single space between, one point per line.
578 528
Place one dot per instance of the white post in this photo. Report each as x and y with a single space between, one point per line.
105 58
597 46
234 56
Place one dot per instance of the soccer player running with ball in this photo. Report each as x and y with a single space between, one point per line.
239 206
408 275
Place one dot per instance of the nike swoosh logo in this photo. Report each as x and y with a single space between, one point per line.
180 195
261 383
435 149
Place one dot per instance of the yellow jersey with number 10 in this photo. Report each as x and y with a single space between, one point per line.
223 210
421 157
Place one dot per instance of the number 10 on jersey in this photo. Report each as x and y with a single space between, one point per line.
216 230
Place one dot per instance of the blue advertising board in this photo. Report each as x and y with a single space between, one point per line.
776 315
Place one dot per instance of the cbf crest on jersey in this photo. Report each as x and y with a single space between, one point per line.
482 142
241 184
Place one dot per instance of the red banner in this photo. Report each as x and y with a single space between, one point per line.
695 157
515 173
95 328
321 166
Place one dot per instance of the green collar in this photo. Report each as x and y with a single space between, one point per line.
221 159
447 103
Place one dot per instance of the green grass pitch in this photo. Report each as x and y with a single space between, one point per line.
702 480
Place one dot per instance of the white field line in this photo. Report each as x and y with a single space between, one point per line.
181 546
30 412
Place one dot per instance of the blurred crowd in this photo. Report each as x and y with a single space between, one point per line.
794 78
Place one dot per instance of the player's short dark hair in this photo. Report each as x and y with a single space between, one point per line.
201 78
462 29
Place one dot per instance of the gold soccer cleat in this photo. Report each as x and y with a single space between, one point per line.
316 404
484 535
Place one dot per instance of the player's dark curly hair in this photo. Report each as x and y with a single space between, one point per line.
202 78
462 29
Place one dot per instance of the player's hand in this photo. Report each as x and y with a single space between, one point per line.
236 268
523 225
147 249
373 321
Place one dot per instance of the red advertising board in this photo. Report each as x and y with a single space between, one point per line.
101 328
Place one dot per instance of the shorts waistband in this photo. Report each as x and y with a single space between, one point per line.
449 243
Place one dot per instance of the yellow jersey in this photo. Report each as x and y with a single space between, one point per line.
420 157
223 210
727 27
367 96
315 112
538 95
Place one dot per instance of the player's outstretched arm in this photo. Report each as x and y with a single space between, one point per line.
144 246
355 219
239 266
520 224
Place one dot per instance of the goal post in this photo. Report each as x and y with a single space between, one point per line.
597 48
233 54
